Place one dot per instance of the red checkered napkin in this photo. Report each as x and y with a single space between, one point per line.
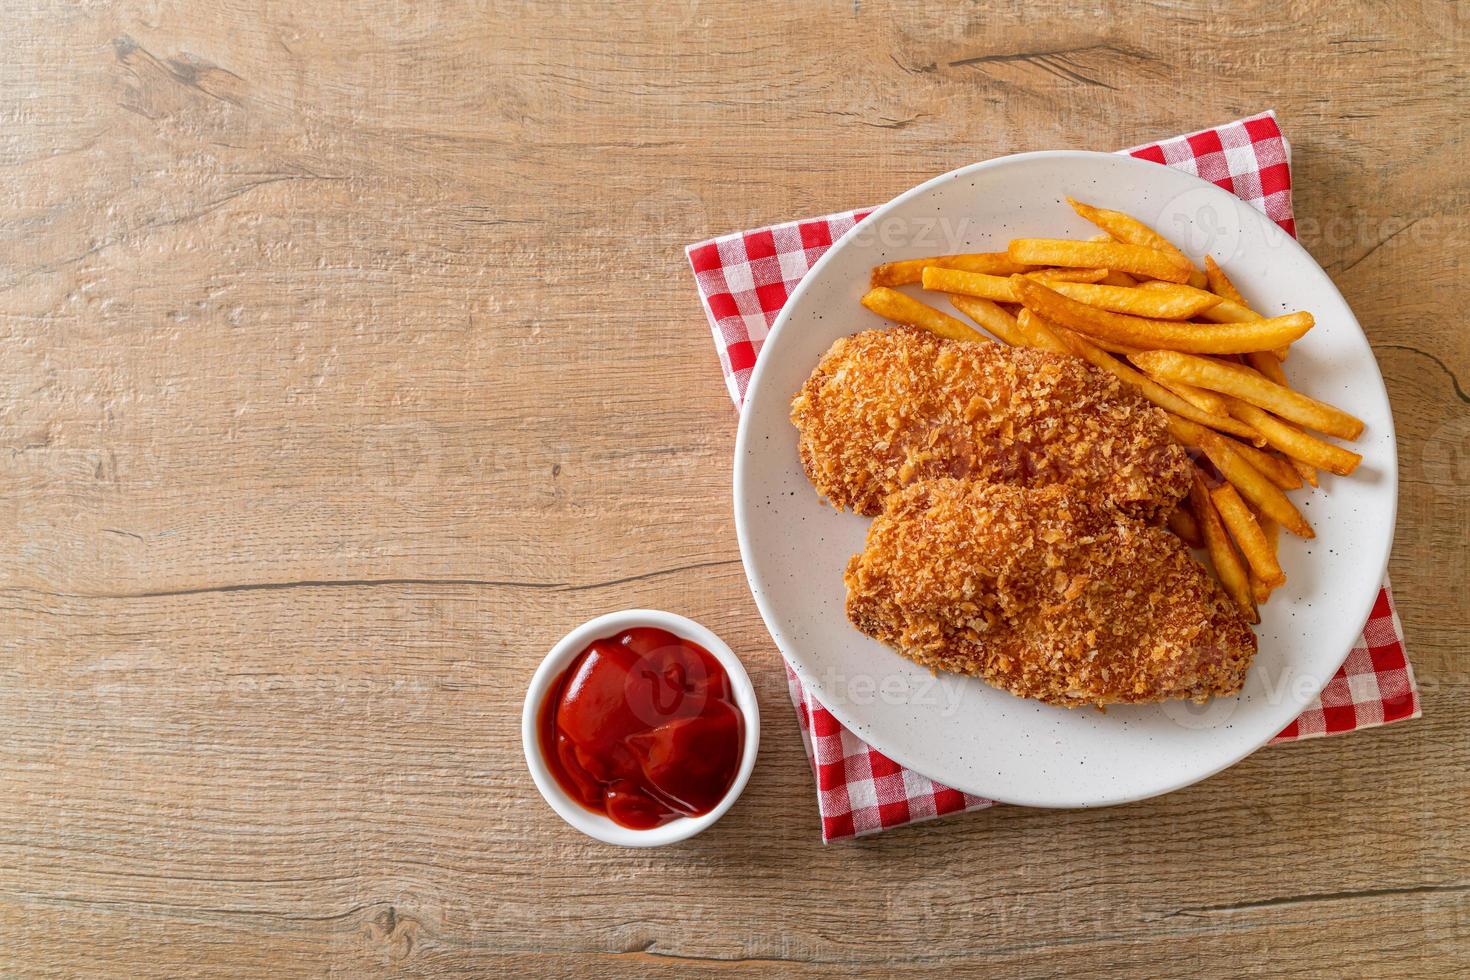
744 280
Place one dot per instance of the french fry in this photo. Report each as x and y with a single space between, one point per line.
1177 287
1116 278
1233 573
1249 538
1150 389
1275 469
901 308
1159 303
1067 275
1040 333
1296 443
1229 311
990 316
1135 260
1307 471
1182 523
1164 334
998 289
909 270
1271 530
1126 228
1112 346
1269 364
1206 401
1233 307
1251 482
1220 283
1249 386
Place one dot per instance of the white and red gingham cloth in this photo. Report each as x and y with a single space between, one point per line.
744 280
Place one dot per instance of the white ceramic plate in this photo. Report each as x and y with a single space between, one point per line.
960 731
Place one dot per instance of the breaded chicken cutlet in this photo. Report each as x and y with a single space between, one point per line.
885 408
1047 594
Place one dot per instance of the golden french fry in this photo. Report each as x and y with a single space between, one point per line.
990 316
1116 278
1206 401
1229 311
998 289
1271 530
1269 364
1040 333
1136 260
1159 303
1306 471
1112 346
1251 482
1249 386
1150 389
1232 571
1137 331
1226 310
1068 275
1296 443
1220 283
901 308
1241 524
1233 308
1275 469
909 270
1126 228
1192 290
1185 527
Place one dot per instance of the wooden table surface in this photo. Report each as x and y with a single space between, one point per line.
349 356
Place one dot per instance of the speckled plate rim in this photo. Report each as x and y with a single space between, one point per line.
1372 557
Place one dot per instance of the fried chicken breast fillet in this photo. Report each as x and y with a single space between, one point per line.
885 408
1047 594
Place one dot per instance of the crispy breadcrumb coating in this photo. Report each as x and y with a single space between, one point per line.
885 408
1047 594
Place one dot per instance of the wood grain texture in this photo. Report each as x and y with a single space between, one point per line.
348 357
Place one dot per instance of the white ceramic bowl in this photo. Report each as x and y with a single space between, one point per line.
958 730
596 824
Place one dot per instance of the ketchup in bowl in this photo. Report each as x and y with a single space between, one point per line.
643 727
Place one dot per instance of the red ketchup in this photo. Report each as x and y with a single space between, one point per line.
643 727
